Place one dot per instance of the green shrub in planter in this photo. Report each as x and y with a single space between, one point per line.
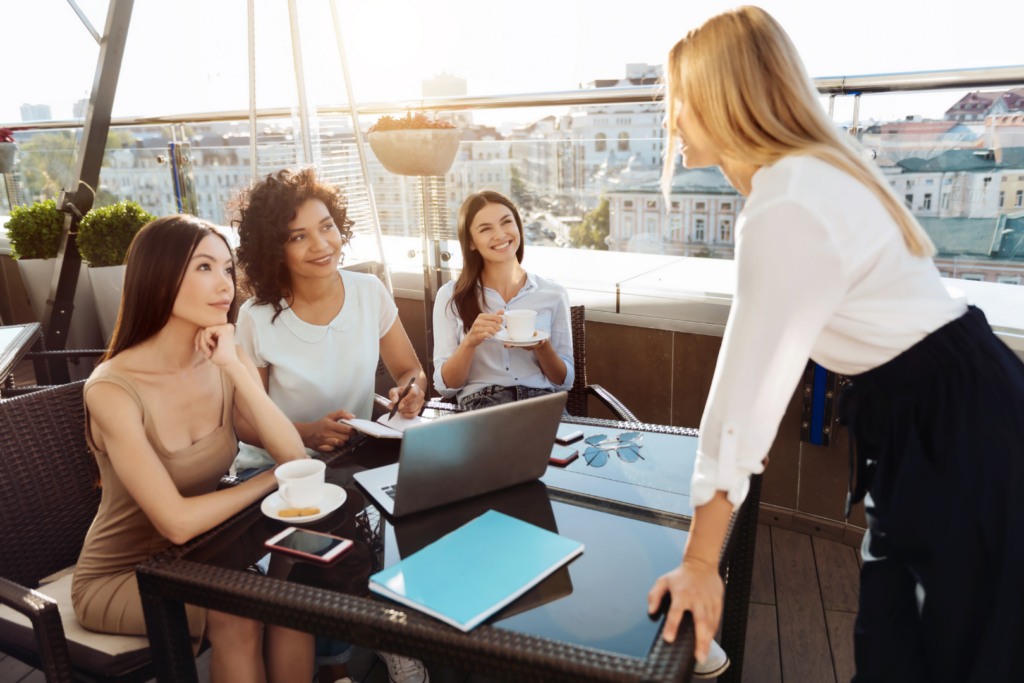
105 234
35 230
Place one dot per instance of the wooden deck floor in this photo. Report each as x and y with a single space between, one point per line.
803 598
800 629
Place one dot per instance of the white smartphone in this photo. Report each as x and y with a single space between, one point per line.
309 545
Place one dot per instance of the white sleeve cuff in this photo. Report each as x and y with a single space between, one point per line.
706 483
439 384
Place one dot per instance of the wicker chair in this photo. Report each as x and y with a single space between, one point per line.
48 499
577 403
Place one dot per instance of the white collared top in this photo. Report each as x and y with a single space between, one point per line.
492 362
318 369
822 272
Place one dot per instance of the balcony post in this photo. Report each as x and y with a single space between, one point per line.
360 146
253 168
78 200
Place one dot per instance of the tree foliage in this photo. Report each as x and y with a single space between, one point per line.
520 195
594 228
48 161
105 233
35 230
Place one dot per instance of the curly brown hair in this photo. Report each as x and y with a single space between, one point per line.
262 214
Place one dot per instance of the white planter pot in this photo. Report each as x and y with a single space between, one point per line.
107 285
427 152
37 274
8 156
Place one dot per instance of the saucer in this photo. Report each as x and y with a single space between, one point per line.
538 336
334 498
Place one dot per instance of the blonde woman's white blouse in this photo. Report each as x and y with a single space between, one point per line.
823 272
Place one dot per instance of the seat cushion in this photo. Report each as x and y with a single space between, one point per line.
102 653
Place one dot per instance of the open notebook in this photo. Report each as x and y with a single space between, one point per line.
384 428
468 575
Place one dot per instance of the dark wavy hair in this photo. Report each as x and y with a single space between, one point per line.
156 264
468 296
262 214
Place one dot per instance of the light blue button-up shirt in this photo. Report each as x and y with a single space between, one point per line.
492 362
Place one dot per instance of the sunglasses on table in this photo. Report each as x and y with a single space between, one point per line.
626 445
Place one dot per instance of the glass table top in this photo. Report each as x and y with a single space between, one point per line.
9 334
658 479
599 600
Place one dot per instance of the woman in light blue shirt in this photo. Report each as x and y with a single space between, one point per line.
469 363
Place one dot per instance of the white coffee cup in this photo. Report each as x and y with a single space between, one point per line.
520 324
301 483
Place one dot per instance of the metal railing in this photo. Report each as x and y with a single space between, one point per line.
915 81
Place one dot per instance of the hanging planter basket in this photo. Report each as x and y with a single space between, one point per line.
415 146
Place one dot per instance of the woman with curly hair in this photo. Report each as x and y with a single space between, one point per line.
314 331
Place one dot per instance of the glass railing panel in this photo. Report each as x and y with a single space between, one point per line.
957 161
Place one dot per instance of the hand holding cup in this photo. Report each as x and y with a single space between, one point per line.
484 327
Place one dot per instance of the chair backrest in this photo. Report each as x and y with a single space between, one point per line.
48 483
577 402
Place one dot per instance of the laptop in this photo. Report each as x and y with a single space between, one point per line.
467 454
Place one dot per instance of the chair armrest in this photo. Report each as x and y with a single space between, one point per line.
613 404
46 622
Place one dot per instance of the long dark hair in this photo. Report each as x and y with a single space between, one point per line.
467 301
157 260
262 214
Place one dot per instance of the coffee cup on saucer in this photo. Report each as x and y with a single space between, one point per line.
301 483
520 324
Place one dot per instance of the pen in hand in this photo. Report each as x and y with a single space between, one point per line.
394 408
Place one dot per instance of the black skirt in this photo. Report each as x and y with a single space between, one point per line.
938 437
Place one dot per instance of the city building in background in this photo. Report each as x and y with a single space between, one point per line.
698 220
589 177
35 112
976 106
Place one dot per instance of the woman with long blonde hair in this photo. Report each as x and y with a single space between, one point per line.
831 266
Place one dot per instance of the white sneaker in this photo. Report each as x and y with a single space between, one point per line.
346 679
715 664
404 669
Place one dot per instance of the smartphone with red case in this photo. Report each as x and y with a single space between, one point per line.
562 456
309 545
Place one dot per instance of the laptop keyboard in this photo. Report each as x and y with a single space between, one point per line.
390 490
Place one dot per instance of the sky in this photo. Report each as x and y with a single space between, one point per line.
191 55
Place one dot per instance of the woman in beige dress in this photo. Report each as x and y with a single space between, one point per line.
160 413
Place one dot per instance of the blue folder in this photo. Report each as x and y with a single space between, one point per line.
474 571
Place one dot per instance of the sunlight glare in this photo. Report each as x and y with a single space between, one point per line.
387 39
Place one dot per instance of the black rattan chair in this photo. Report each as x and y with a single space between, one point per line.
577 403
49 495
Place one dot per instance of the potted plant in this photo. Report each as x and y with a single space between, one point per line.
415 145
35 232
8 150
104 236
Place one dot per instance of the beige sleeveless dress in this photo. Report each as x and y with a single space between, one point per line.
104 591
